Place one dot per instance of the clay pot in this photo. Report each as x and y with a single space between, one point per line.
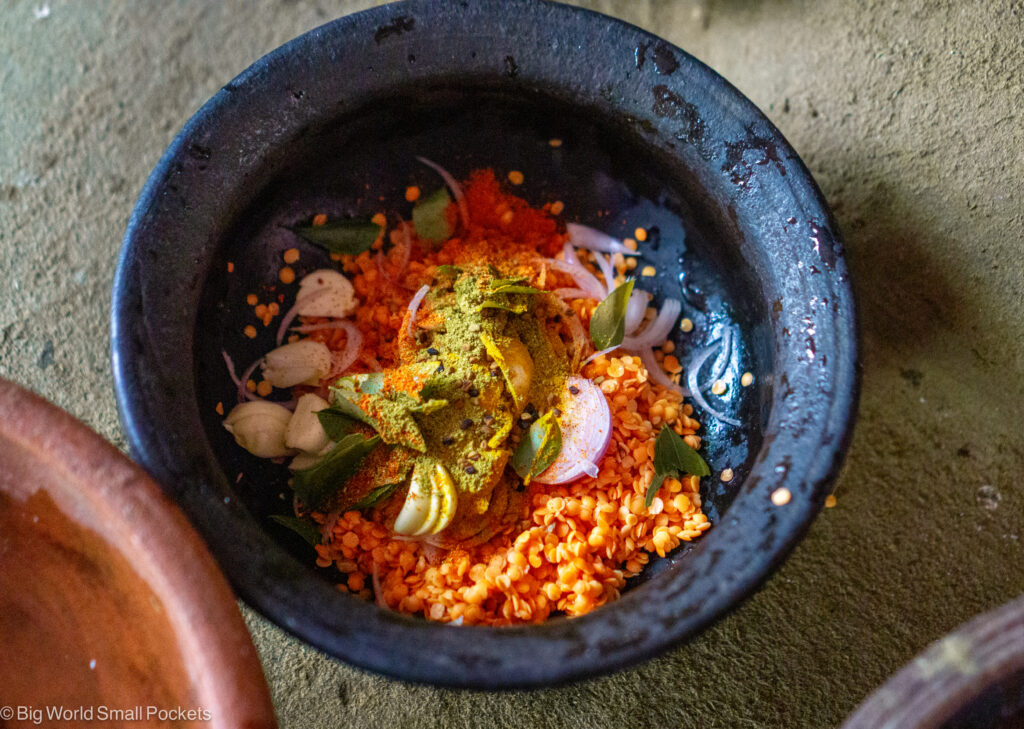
336 118
109 601
971 679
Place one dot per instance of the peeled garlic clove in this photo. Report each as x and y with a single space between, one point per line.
302 461
326 293
417 505
304 429
442 484
304 362
259 427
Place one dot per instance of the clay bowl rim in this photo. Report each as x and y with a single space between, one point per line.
135 518
950 674
803 450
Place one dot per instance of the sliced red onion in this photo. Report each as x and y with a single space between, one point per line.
453 185
293 312
328 526
595 355
341 361
414 305
240 381
378 592
692 373
569 294
657 331
721 361
378 260
586 425
606 268
406 248
583 278
635 310
656 373
231 366
580 339
592 239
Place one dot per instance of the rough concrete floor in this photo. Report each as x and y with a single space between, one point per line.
907 113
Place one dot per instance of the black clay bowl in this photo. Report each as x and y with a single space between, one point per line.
971 679
650 136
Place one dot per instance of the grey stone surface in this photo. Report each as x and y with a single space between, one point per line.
909 116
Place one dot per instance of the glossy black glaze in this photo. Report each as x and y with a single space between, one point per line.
649 133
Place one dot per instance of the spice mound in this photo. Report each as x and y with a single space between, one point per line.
479 408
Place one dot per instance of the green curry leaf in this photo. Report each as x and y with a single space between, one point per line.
503 304
447 269
336 423
303 528
513 289
349 236
673 457
316 485
376 495
430 217
608 323
539 447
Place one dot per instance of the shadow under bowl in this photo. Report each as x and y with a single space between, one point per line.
108 597
332 122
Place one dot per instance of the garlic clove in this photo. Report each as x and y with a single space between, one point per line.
441 483
304 362
325 292
304 429
259 427
417 506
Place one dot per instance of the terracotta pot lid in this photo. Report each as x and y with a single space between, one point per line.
110 604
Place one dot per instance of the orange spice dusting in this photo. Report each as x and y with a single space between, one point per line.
575 545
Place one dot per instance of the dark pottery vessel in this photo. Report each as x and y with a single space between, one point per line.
650 136
109 600
971 679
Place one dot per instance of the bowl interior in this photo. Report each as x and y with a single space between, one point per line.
332 122
602 172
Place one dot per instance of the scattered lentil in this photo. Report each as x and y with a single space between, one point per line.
555 142
287 275
250 331
648 271
781 496
515 177
557 207
727 475
412 193
291 255
640 234
830 501
719 387
320 219
747 380
686 325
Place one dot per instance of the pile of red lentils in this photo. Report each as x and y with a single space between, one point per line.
575 545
